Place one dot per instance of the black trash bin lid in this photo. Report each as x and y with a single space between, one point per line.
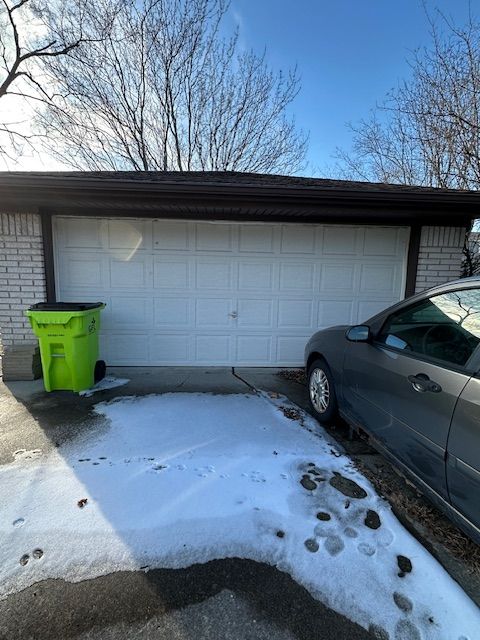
65 306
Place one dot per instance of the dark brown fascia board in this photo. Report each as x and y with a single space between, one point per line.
27 193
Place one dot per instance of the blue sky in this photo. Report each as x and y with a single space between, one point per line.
349 53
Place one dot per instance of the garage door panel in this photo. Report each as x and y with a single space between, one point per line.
299 276
378 278
124 238
185 292
213 348
254 313
251 349
127 348
295 314
214 275
255 276
171 236
82 270
128 313
255 238
380 242
339 241
213 237
170 348
171 273
214 312
297 239
172 312
332 312
368 308
129 274
289 347
338 276
80 233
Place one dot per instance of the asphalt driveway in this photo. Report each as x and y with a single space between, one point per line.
231 598
222 598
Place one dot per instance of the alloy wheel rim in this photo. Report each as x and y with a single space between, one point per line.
319 390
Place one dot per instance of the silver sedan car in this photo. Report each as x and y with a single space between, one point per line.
410 379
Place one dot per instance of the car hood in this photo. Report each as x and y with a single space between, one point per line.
338 329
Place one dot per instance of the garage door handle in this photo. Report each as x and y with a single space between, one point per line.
422 383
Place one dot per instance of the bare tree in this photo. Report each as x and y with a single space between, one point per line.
471 254
165 91
427 131
31 33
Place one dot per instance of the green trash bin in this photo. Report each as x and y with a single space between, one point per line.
68 337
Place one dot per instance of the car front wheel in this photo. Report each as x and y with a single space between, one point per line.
322 391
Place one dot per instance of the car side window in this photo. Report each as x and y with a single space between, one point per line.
445 327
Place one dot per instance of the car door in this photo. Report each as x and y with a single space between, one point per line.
463 459
403 385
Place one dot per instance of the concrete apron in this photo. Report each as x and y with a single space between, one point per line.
31 418
224 598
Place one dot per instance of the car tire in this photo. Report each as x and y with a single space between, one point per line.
321 391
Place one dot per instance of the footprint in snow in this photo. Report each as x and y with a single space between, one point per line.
402 602
24 559
324 516
378 633
406 630
37 554
307 483
312 545
385 537
19 522
334 545
372 519
204 471
255 476
366 549
405 565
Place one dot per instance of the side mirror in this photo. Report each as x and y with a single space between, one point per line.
359 333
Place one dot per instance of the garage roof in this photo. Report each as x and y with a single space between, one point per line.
234 196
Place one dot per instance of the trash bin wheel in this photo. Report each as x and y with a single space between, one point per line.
100 370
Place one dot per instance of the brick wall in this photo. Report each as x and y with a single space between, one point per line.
440 256
22 275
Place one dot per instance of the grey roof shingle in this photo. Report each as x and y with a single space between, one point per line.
226 178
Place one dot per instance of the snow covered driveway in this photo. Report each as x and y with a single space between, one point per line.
176 479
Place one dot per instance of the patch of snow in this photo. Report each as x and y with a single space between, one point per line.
109 382
179 479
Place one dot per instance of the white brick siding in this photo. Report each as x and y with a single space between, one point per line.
440 256
22 275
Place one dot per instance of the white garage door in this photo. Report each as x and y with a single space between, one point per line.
218 293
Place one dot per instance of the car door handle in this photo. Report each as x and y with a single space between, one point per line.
422 383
